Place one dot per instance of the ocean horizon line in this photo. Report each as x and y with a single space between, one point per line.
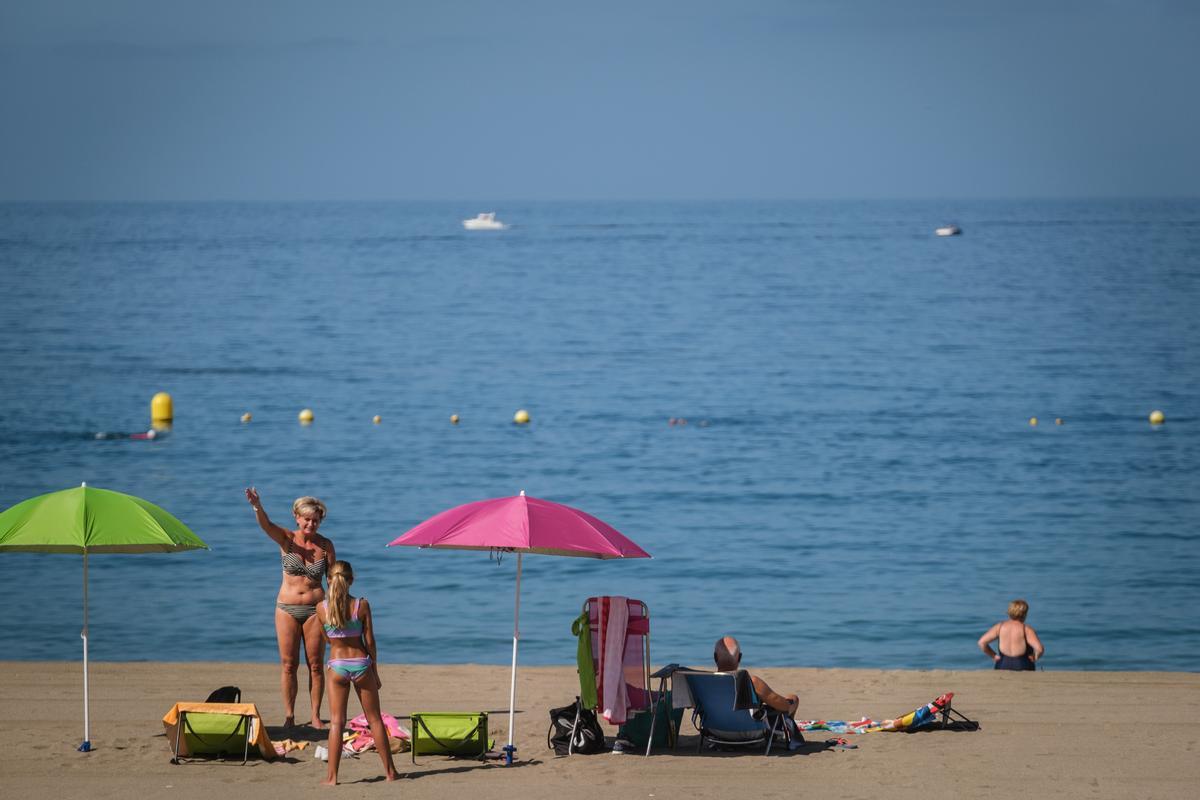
1015 198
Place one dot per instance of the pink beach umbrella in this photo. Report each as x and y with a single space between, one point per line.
521 525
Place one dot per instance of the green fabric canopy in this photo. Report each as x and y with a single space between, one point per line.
85 519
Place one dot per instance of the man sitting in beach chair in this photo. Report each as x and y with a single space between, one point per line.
727 654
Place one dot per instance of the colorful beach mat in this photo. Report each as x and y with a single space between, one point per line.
918 718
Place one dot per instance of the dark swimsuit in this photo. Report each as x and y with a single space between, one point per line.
1017 663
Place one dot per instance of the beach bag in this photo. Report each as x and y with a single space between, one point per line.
566 737
226 694
666 719
450 733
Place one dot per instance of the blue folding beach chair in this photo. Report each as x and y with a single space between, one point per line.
724 718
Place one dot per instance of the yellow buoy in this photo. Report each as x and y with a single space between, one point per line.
161 409
1157 418
521 417
454 419
1033 421
377 419
246 417
306 416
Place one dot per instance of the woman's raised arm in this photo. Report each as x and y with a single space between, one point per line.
280 535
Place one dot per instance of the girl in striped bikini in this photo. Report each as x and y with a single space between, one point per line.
306 557
346 621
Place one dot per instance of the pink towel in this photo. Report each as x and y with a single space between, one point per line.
614 619
394 728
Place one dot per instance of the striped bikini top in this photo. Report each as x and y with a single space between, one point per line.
293 564
353 625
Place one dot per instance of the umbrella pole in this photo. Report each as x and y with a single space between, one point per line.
87 744
512 689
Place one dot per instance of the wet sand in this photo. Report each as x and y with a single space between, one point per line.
1063 734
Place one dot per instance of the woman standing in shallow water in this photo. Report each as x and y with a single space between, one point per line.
307 557
1019 645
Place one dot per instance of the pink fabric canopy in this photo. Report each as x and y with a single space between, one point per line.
522 524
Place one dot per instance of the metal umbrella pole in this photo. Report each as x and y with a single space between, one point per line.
510 748
87 738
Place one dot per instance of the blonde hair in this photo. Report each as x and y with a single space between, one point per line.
341 575
307 505
1017 610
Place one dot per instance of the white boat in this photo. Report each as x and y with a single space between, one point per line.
948 230
484 222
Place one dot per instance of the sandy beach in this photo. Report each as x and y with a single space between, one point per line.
1062 734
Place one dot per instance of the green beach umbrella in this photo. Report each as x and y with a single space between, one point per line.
89 520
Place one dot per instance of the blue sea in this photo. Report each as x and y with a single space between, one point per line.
858 483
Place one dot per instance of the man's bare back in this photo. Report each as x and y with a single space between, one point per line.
727 653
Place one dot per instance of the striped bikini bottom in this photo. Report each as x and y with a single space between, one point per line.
300 613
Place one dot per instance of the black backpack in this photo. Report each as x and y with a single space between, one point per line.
226 694
574 729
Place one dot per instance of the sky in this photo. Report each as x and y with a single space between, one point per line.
156 100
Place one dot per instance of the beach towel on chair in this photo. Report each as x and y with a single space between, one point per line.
582 630
614 697
613 654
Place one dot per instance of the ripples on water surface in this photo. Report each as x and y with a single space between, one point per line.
867 490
